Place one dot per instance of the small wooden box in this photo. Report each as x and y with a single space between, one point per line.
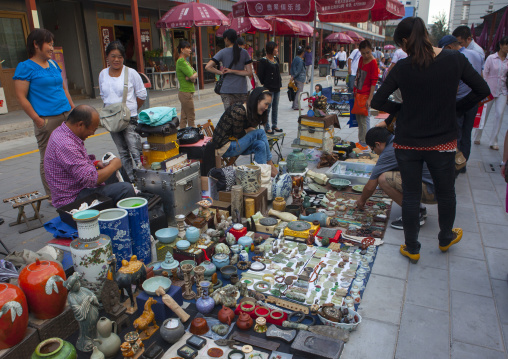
60 326
25 348
260 198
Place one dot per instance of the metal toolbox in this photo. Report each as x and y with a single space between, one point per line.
180 190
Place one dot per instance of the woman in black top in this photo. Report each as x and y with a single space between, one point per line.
426 128
269 76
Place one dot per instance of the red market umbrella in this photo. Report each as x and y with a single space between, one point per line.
245 24
283 27
483 40
305 29
192 14
339 38
327 10
353 35
472 32
389 47
501 32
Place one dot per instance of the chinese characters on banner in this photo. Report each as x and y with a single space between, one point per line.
107 36
145 39
58 57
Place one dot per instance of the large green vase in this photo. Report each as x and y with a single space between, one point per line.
54 348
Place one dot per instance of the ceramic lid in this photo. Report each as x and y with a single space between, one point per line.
238 226
183 244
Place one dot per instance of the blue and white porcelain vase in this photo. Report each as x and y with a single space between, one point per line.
114 223
282 183
91 250
139 226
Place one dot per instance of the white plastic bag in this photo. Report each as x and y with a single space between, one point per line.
266 178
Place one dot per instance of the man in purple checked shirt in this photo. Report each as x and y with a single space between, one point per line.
73 174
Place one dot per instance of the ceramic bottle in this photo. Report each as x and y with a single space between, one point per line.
297 161
279 204
285 216
210 268
172 330
205 304
54 348
42 283
97 354
109 342
318 216
13 315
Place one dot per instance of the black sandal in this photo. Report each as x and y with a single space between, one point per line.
277 129
269 132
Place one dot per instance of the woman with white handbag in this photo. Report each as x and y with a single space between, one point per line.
119 84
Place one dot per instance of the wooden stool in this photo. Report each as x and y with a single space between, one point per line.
33 198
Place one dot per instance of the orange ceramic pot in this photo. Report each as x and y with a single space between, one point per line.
13 315
42 283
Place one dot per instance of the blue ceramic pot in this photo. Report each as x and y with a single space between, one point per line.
281 185
139 225
114 223
236 248
192 234
210 268
220 260
318 216
245 241
205 304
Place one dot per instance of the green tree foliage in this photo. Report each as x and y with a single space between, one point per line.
439 28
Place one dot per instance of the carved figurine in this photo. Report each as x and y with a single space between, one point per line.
227 296
132 272
144 321
85 306
133 346
110 298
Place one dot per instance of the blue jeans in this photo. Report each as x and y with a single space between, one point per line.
128 144
274 106
253 142
351 83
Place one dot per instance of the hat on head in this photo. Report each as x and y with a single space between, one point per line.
447 40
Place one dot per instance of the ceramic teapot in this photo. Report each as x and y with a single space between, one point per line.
244 321
109 342
42 283
226 315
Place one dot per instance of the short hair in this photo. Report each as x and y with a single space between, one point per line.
40 37
240 41
462 31
115 45
377 134
365 44
307 47
270 47
299 51
183 45
82 113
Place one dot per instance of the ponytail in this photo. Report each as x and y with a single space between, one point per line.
417 46
232 36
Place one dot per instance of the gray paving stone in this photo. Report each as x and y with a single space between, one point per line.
497 262
481 182
393 236
505 333
390 263
382 299
470 246
491 214
474 320
482 196
470 276
494 235
428 287
468 351
500 289
429 327
430 255
465 218
372 339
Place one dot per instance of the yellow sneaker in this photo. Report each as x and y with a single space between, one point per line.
413 258
458 237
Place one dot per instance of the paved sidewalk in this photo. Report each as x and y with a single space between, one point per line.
449 305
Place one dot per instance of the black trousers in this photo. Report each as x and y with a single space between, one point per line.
466 123
116 191
442 169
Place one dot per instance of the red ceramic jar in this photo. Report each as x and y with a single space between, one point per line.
13 315
42 283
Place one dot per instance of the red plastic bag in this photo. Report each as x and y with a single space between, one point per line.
360 106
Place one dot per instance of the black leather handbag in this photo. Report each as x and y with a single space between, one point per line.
189 135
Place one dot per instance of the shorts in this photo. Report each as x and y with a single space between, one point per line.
395 181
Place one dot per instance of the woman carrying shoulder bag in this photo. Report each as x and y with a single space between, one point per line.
111 84
269 76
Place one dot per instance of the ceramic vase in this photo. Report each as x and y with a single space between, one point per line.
114 223
91 250
139 226
55 348
297 161
210 268
220 260
249 177
97 354
192 234
237 203
172 330
282 183
13 315
318 216
279 204
108 341
205 304
42 283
